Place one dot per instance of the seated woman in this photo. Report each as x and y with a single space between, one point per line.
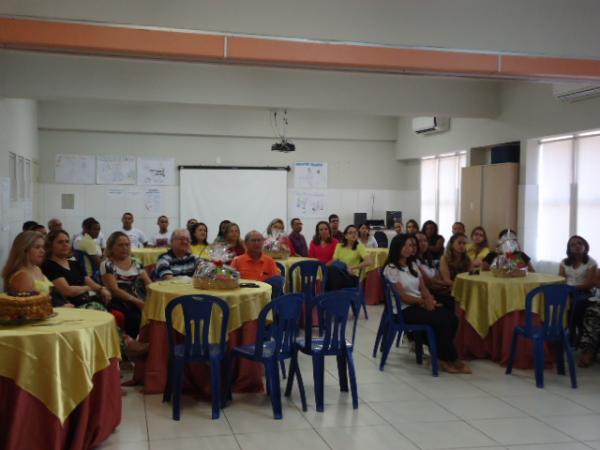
22 271
126 281
589 341
521 258
412 227
233 240
349 258
418 305
221 234
322 245
275 231
429 267
455 259
436 242
70 282
579 270
199 234
478 248
365 238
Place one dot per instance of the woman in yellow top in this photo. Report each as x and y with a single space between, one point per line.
349 258
199 233
22 271
478 248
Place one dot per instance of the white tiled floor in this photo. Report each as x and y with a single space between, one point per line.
403 407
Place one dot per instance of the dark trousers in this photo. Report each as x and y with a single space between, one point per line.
579 306
444 324
133 315
339 279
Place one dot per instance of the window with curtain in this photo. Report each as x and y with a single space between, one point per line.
569 198
440 189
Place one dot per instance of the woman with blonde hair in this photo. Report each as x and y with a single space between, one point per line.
233 240
22 271
455 259
276 232
479 247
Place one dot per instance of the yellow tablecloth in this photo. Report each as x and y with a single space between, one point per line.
378 256
486 298
148 255
55 359
244 303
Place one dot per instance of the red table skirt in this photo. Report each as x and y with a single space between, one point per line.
373 288
152 372
26 423
496 345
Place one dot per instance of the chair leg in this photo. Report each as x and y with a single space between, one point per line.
342 372
168 388
290 379
399 339
379 336
433 352
538 362
300 382
350 361
418 347
570 362
513 353
560 359
389 341
215 373
226 389
282 365
272 374
177 375
319 375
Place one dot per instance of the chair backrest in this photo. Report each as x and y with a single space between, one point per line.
393 301
284 313
334 307
381 238
281 268
556 298
198 312
87 265
277 284
309 270
355 305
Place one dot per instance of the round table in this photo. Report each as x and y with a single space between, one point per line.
373 284
60 377
378 257
245 304
148 256
489 308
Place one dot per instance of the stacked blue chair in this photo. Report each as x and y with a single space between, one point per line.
309 271
276 343
277 283
198 311
281 268
333 307
393 323
552 329
383 323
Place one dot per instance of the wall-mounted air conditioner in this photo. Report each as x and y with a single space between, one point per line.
430 125
575 92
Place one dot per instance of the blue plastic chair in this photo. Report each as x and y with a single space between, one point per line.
281 268
198 312
277 283
333 307
309 271
394 323
552 329
81 258
278 343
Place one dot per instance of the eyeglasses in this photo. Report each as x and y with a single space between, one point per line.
182 239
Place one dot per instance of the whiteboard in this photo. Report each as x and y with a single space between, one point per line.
75 169
251 198
111 169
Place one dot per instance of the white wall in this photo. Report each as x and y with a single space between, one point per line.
558 27
359 150
18 135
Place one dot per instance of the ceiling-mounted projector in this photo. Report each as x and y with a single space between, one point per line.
283 146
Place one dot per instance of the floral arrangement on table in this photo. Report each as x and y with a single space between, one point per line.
213 273
277 246
508 263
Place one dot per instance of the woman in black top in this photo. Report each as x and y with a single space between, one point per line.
436 242
71 284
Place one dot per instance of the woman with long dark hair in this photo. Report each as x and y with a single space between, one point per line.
478 248
364 236
455 260
418 305
436 242
199 234
349 258
322 245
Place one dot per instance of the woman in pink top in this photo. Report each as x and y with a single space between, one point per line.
322 245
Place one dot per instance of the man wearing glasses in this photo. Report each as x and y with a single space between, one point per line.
254 265
179 261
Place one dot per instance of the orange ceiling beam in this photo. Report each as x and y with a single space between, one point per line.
95 39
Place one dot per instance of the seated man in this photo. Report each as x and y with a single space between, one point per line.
136 236
253 265
161 238
178 261
86 242
55 225
297 239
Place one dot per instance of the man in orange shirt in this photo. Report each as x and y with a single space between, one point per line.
253 265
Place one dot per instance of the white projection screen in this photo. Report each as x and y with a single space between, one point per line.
249 197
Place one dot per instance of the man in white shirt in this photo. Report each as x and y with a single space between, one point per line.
136 237
162 238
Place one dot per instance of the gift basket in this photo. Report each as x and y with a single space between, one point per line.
508 263
277 246
213 273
